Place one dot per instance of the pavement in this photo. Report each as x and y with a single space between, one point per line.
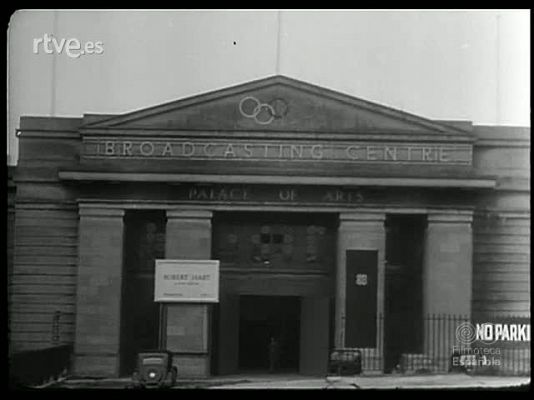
448 381
427 381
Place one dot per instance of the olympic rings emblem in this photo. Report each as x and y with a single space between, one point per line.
263 113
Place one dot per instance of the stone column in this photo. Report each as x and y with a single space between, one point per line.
99 291
448 263
188 237
447 279
358 230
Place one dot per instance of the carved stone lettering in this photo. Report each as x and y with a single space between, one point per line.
282 151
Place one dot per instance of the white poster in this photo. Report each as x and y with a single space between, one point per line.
187 281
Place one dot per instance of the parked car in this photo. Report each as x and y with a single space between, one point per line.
345 362
154 370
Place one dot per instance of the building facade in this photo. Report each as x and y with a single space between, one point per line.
337 222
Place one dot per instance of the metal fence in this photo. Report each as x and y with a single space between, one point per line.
444 343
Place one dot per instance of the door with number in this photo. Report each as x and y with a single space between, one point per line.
361 299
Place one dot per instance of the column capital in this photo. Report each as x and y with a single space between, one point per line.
188 214
450 216
363 216
96 211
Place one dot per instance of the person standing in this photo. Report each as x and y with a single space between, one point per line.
274 355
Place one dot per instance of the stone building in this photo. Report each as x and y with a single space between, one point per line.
329 215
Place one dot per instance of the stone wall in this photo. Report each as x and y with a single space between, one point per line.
501 226
45 234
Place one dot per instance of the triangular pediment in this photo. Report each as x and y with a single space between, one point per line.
275 103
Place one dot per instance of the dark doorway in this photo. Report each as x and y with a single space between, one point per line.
144 241
265 317
403 318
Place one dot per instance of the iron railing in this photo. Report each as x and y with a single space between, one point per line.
438 343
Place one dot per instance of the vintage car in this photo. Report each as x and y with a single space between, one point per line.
154 370
345 362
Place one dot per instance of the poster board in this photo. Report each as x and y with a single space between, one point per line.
186 281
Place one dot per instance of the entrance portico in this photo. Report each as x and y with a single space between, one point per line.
188 235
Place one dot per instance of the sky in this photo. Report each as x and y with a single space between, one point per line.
445 65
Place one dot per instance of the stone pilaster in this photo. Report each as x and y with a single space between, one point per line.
448 263
447 281
100 252
188 237
188 234
358 230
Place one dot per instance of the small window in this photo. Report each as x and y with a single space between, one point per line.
277 238
265 238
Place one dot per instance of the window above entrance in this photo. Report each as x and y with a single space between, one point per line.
293 245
